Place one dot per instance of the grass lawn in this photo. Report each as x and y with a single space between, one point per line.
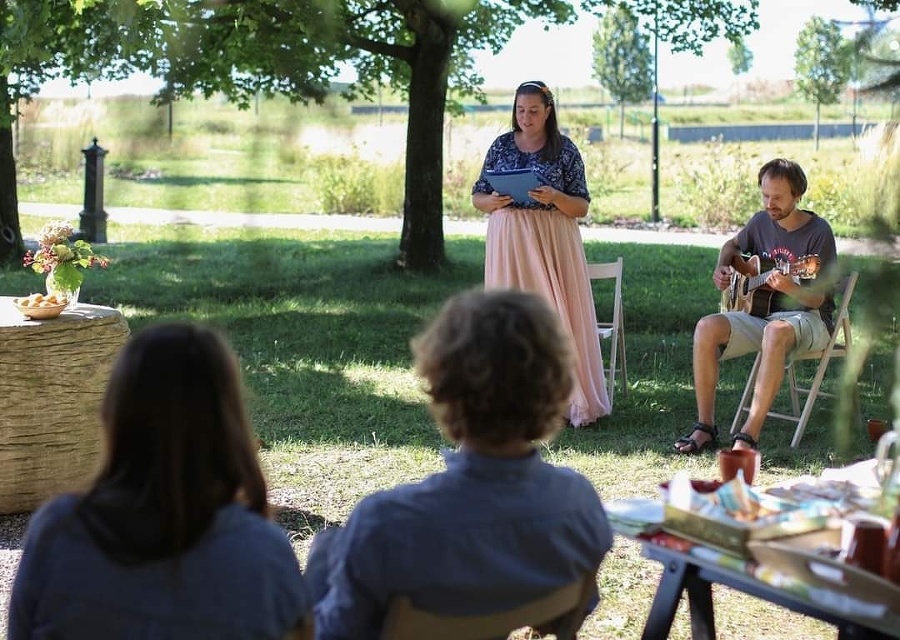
321 323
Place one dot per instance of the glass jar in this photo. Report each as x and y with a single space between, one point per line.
891 562
54 288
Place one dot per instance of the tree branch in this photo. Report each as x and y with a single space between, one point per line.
380 48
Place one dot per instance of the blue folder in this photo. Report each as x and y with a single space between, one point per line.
516 183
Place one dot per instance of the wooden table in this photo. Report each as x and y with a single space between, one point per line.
52 377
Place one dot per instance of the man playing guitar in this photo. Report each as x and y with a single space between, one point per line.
800 317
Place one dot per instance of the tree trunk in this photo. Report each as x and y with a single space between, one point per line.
422 239
816 128
622 120
11 246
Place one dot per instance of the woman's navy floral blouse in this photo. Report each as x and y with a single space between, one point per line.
565 174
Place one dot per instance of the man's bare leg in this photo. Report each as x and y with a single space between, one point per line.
710 333
778 341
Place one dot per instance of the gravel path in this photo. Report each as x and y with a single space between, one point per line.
12 530
640 233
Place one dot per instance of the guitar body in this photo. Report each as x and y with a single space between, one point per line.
740 296
748 292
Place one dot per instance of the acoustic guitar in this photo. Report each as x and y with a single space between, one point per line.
748 292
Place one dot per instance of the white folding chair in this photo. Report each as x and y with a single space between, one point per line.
838 346
614 330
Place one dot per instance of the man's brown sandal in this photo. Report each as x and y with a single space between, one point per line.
688 440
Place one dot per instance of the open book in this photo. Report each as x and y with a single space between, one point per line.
516 182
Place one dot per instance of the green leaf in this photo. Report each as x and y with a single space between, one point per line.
67 277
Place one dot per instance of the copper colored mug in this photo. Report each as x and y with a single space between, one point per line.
867 545
876 428
730 460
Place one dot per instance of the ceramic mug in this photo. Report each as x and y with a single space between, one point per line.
730 460
868 539
876 428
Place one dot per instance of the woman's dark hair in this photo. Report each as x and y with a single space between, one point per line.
787 169
498 366
553 147
178 444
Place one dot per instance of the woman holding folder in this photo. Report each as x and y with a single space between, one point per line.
534 243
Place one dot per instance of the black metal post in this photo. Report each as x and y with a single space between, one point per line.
92 226
656 113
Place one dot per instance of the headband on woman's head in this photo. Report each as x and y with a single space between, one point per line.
544 89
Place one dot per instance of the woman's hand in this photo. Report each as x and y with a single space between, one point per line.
545 194
571 206
490 202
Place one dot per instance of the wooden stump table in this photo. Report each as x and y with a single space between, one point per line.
52 377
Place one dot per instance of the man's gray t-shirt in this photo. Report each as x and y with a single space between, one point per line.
765 238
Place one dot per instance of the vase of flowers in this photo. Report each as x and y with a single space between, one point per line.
62 260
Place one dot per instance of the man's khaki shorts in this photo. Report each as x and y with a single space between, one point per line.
810 333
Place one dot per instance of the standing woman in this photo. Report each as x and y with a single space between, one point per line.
536 246
172 539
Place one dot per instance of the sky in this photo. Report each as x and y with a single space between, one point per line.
562 56
773 47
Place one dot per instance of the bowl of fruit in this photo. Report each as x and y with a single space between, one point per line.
37 306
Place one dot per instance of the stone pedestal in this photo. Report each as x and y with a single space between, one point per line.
52 377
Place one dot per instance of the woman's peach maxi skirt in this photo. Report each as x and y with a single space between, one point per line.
541 251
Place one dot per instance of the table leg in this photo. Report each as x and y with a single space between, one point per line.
665 602
703 622
851 631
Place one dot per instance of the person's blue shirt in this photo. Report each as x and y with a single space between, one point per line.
485 535
240 580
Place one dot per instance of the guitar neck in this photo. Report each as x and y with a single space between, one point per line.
755 282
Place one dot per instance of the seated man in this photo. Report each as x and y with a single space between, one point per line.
798 319
500 527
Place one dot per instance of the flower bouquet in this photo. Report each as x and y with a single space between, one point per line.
62 260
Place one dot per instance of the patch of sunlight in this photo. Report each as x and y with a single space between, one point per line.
662 385
137 312
385 381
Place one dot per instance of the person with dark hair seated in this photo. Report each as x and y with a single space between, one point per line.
500 527
172 540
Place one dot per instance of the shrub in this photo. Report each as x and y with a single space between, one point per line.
459 176
217 127
604 164
350 185
878 189
722 192
830 196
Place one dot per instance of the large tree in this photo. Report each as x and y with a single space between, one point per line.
822 64
237 48
623 63
422 47
29 43
45 39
